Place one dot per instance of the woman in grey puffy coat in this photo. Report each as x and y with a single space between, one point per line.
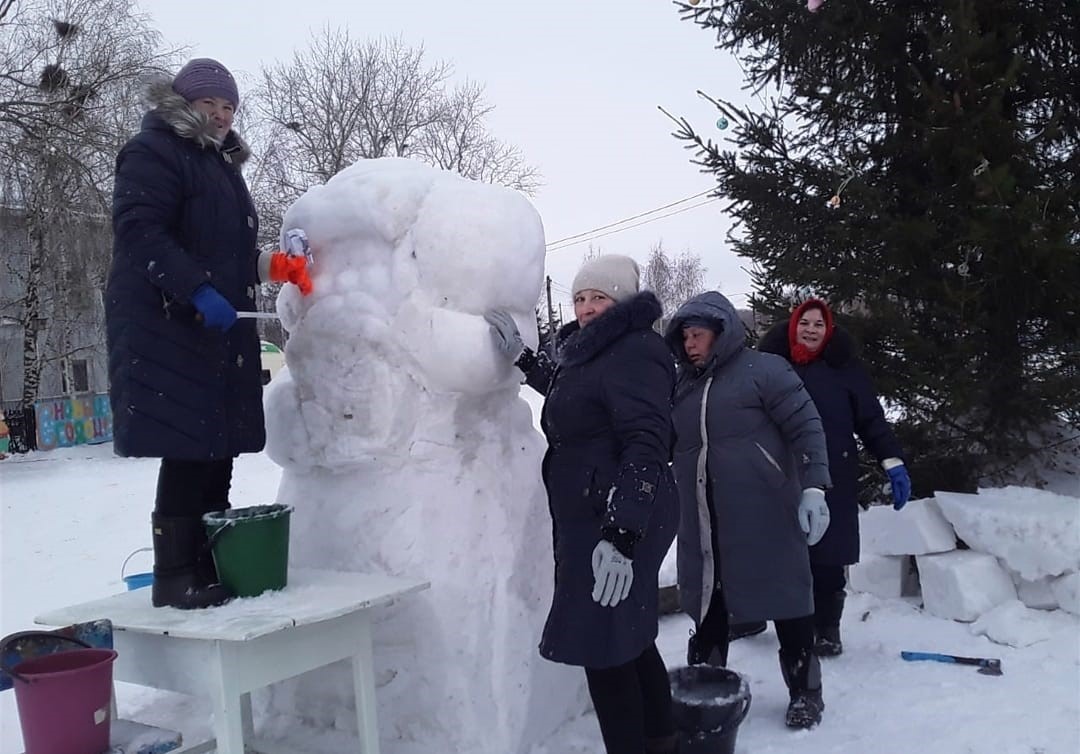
751 468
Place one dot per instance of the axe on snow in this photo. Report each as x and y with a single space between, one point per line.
986 665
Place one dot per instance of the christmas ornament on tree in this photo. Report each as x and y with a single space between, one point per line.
834 203
721 123
814 5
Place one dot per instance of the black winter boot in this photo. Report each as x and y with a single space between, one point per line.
828 608
802 674
204 563
178 544
662 745
742 630
701 651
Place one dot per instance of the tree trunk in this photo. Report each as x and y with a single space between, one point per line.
32 310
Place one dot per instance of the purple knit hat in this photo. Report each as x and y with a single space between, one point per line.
204 77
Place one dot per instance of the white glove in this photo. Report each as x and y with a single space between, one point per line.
813 514
506 334
613 573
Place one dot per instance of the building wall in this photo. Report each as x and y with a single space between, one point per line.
77 307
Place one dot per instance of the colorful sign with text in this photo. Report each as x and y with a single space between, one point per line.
64 422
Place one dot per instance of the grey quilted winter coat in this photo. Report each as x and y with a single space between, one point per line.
748 441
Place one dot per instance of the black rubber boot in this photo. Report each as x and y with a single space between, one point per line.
700 651
204 563
829 607
742 630
662 745
178 545
802 674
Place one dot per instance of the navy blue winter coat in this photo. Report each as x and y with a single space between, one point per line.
607 419
849 406
182 216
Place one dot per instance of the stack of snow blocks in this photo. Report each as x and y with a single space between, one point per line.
1022 549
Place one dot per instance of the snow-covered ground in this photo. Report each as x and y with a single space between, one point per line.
69 517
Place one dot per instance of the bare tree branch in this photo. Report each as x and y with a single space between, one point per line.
341 100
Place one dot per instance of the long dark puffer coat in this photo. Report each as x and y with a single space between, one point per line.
182 216
749 440
849 406
607 419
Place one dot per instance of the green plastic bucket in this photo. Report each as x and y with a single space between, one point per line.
251 547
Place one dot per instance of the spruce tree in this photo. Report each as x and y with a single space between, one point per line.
918 167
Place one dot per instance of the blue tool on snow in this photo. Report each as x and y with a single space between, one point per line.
986 665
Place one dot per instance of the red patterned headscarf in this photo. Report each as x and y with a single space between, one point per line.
800 354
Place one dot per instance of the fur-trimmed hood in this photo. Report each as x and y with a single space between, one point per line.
174 111
577 344
840 349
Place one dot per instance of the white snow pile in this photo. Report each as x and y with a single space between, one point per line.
407 451
1019 583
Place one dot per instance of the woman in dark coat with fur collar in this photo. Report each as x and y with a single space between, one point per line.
824 357
185 376
614 509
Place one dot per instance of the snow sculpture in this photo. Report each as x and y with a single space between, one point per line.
407 450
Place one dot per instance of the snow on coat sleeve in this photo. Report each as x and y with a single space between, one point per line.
637 393
870 423
539 369
790 406
147 200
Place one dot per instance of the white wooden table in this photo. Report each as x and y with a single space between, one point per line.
229 651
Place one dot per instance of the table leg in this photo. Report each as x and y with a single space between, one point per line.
227 704
247 721
364 687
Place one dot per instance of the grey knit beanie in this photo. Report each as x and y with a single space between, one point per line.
204 77
614 275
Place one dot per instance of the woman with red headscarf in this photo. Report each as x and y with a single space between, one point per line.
824 356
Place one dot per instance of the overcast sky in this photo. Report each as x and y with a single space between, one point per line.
575 84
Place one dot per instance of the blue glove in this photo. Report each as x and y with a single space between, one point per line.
215 310
901 486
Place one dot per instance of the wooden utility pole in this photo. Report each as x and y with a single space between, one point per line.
551 309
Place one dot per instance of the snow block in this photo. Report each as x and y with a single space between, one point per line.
1035 594
1032 531
669 573
963 585
885 576
918 529
1067 592
1015 625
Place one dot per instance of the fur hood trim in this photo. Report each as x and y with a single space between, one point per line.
187 122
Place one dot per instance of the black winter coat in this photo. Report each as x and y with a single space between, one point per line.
849 406
607 419
182 216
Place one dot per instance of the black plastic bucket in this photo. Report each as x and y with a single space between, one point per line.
709 703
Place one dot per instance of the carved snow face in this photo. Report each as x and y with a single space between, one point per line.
407 259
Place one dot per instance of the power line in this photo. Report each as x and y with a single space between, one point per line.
628 219
635 225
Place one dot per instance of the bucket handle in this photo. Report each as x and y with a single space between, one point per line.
744 712
212 539
129 557
26 635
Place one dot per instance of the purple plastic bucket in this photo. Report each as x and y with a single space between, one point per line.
64 701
